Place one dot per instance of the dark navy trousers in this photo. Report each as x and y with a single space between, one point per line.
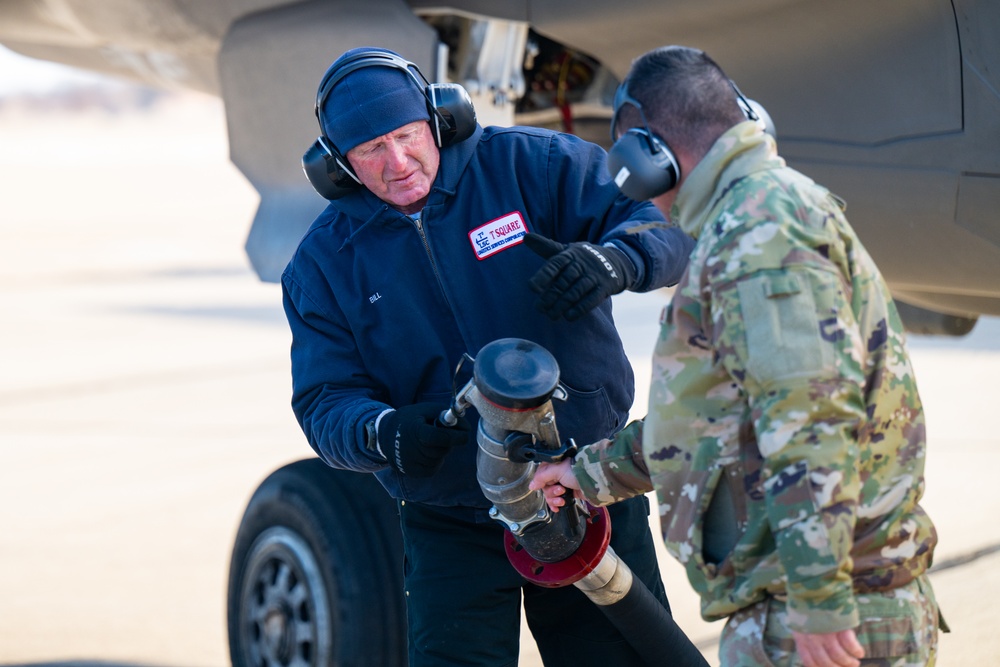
463 596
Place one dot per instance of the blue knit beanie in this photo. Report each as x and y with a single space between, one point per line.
369 102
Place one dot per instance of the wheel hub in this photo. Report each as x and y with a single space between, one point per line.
277 633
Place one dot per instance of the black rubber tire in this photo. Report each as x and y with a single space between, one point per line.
316 577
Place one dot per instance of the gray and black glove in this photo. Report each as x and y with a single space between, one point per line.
578 276
415 442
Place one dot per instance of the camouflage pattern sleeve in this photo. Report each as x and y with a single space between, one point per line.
613 470
788 335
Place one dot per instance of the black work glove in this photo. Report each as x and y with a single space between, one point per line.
578 276
415 442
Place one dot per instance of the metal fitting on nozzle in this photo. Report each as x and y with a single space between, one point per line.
459 401
513 384
522 448
450 416
512 387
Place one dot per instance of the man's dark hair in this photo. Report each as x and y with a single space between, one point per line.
687 99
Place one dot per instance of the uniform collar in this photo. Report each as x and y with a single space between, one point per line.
740 151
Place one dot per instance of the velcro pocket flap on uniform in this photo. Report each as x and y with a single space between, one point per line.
782 327
779 286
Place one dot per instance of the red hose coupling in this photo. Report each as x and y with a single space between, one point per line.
569 570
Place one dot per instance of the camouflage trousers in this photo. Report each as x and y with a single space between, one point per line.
899 628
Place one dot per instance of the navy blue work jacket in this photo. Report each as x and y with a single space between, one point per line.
382 307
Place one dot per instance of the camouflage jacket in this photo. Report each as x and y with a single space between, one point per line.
780 384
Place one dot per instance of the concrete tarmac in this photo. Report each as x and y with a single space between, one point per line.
144 391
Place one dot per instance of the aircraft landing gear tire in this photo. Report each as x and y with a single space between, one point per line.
316 577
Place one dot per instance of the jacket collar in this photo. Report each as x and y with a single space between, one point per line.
739 152
454 160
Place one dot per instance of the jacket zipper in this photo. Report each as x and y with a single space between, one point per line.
418 223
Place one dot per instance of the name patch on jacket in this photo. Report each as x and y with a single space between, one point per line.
496 235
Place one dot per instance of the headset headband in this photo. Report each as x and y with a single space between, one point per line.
367 59
744 103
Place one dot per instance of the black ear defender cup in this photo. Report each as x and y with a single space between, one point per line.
453 119
452 114
328 171
642 164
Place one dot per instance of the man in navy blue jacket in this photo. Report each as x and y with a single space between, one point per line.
440 249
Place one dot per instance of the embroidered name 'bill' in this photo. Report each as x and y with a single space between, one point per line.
496 235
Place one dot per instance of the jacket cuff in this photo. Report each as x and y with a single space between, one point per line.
610 470
369 434
813 613
637 263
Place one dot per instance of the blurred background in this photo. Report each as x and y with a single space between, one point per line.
144 388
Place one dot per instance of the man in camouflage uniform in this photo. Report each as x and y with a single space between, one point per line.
785 436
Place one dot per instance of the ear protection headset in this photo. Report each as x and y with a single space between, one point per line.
453 119
641 163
